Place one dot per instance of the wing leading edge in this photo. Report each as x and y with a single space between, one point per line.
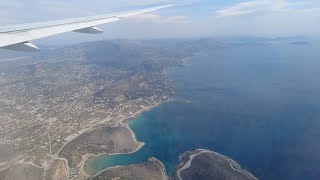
17 37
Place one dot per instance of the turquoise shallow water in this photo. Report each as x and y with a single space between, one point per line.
259 105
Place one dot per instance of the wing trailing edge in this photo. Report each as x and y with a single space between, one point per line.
25 46
89 30
18 37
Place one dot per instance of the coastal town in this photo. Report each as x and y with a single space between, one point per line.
47 102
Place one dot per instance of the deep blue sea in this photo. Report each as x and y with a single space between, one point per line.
259 105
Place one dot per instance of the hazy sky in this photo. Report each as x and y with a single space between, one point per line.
191 18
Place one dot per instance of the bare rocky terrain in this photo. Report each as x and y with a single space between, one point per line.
205 164
22 172
101 140
152 169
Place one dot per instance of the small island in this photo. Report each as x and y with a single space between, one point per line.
205 164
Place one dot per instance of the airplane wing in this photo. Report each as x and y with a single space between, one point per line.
18 37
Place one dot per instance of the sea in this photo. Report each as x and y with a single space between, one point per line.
258 104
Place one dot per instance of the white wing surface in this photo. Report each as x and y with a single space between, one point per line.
17 37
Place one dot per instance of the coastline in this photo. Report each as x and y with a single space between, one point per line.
164 173
233 164
85 164
85 168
